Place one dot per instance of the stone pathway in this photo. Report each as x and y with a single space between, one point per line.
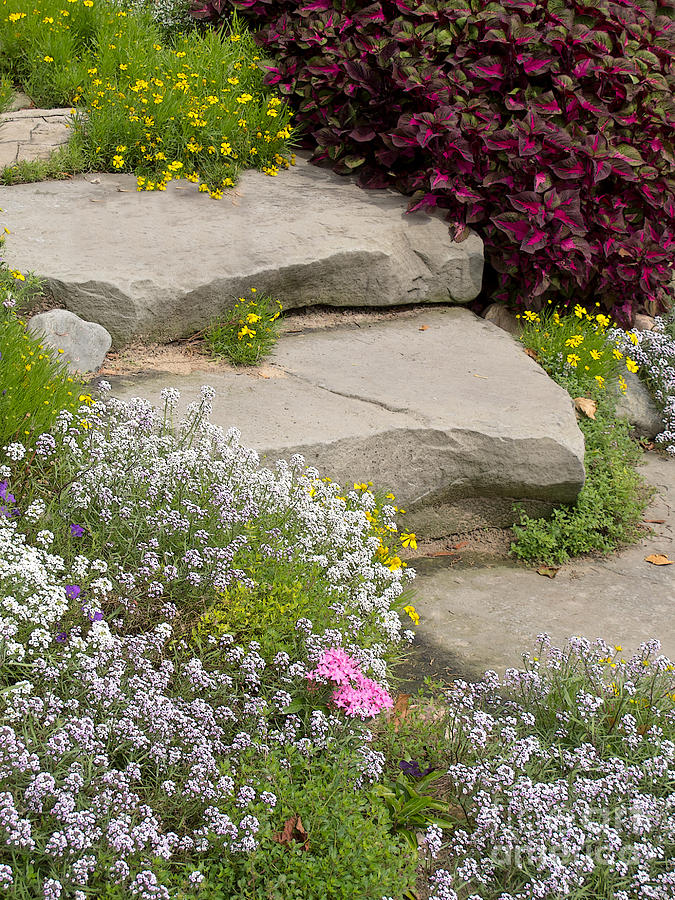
160 265
29 134
439 406
479 613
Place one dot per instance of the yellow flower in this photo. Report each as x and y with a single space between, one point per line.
394 563
579 311
252 318
18 275
600 380
575 341
633 338
235 37
412 612
409 540
88 3
573 360
244 98
530 316
245 331
631 365
596 354
118 161
233 80
48 58
617 353
603 320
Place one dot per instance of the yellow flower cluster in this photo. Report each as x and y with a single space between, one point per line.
196 110
580 339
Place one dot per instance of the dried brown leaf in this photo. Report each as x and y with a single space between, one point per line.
586 406
548 571
423 328
293 830
659 559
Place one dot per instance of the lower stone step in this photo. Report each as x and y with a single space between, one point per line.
442 408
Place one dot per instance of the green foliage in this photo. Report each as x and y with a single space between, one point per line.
249 333
608 509
412 809
576 351
268 611
6 92
34 384
192 107
350 851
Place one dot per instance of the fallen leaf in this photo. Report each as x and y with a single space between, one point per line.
442 553
124 190
532 354
480 376
460 544
548 571
586 406
623 252
423 328
655 521
97 199
659 559
400 710
293 830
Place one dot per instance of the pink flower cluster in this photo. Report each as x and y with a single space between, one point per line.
354 693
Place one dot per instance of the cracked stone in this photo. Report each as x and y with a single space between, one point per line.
28 134
455 419
162 265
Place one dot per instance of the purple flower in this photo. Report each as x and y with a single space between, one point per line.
62 637
73 591
412 769
76 530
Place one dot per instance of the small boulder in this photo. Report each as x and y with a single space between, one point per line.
638 407
644 322
84 344
503 318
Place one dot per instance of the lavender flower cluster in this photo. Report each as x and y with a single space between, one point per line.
654 352
566 774
125 752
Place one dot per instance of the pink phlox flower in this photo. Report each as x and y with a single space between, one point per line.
335 665
355 695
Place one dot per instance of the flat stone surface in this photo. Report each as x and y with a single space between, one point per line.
161 265
84 344
441 407
29 134
476 616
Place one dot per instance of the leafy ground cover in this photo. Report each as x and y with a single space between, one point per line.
585 355
546 126
192 105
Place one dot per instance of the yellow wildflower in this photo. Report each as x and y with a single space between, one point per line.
412 612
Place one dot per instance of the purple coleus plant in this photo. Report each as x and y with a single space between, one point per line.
546 126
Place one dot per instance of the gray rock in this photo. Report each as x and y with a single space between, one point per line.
161 265
503 318
453 417
84 344
29 134
637 406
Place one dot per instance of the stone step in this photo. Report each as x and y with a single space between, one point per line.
160 265
441 407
